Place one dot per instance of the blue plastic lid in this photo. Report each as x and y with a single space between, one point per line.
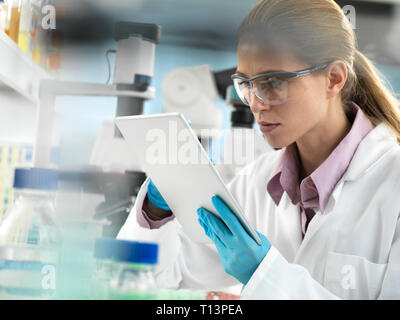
35 178
104 248
136 252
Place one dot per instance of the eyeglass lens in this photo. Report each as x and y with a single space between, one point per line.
269 91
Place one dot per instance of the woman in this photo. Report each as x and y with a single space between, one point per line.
326 206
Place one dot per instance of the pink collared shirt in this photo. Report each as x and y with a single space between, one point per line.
146 222
313 192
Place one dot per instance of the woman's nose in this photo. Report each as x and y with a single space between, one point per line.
257 105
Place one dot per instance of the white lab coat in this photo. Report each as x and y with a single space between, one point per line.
350 251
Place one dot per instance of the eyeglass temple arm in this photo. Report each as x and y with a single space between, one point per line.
313 69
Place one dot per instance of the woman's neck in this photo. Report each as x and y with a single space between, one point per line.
316 145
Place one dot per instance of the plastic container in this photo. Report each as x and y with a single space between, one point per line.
134 278
29 238
14 14
54 65
43 40
24 37
3 16
34 30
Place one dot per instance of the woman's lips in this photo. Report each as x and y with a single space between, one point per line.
267 127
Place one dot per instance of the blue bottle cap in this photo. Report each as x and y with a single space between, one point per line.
136 252
104 248
35 178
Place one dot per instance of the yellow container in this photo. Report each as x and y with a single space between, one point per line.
24 26
14 14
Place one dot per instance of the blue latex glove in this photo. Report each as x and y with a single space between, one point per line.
155 197
240 254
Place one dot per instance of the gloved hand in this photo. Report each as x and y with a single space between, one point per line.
155 197
239 253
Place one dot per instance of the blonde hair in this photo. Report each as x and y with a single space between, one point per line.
317 31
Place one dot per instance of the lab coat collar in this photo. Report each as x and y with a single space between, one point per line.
381 140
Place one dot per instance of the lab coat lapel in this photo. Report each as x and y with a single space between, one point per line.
382 140
319 219
288 228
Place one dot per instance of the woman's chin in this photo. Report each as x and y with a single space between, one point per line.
276 143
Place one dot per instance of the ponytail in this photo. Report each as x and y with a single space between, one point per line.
377 102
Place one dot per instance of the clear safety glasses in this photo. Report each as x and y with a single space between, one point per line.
271 88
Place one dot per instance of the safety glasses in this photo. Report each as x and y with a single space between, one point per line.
271 88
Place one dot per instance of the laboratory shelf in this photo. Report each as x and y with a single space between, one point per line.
18 71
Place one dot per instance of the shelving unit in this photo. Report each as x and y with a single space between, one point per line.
18 71
20 79
22 75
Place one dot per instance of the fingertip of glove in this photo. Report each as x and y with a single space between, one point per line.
215 200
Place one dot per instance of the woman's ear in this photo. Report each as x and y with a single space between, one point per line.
336 76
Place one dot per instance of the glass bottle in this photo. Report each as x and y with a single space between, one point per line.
134 278
29 238
103 254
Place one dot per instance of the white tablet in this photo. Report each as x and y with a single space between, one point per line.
168 150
